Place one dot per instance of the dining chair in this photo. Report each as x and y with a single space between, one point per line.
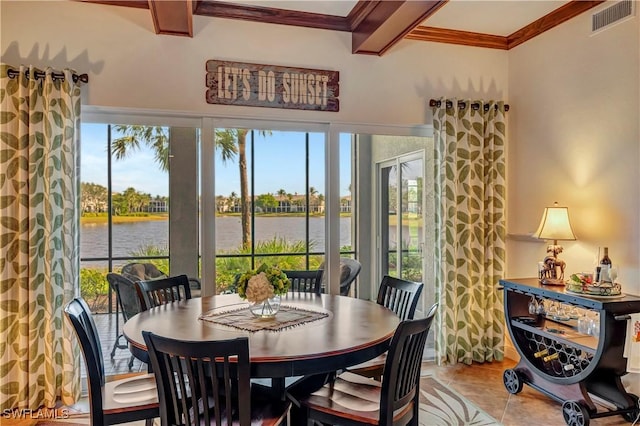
305 281
354 267
355 400
129 303
137 271
152 293
209 383
349 270
118 401
401 296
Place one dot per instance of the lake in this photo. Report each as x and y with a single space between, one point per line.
130 237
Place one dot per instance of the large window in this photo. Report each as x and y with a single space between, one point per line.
243 196
270 201
125 205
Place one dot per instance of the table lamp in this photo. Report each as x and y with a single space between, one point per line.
555 225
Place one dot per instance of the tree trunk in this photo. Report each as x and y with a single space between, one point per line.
244 188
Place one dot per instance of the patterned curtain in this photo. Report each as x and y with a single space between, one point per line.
470 227
39 239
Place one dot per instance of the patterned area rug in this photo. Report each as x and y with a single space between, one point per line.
442 406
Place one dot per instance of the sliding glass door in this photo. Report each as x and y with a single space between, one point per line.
401 217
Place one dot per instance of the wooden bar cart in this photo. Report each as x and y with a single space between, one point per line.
574 368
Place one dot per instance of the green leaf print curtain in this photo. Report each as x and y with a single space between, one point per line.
39 239
470 228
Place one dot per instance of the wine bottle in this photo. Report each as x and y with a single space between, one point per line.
541 353
571 364
605 266
553 356
605 258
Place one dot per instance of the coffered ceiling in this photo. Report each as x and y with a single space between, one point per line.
376 26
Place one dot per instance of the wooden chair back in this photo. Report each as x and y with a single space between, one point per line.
401 296
201 382
401 378
78 313
104 408
339 401
305 281
152 293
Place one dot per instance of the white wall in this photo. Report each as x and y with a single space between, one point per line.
574 138
130 66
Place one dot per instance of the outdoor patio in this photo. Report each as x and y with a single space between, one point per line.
106 325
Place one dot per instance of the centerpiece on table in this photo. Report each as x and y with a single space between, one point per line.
263 287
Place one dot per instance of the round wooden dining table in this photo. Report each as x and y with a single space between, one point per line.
353 331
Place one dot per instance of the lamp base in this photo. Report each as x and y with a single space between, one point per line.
552 281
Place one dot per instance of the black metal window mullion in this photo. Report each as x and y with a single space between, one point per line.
110 222
308 197
252 203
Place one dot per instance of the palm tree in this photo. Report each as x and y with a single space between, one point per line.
225 139
233 198
155 137
231 142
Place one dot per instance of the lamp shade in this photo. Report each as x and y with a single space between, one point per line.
555 224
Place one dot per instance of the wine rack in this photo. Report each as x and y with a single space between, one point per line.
554 358
558 359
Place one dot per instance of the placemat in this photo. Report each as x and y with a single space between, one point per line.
243 319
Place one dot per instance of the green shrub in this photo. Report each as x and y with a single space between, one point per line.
228 267
94 288
151 251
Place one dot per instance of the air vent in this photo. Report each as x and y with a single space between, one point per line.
612 14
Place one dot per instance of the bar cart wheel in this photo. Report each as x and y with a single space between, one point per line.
634 415
575 414
512 381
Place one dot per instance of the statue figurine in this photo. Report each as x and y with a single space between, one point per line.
553 268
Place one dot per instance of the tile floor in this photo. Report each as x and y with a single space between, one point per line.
483 385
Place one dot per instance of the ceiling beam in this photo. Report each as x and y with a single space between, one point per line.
172 17
387 22
140 4
271 15
466 38
553 19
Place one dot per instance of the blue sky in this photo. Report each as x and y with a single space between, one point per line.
280 162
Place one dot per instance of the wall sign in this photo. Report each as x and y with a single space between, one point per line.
239 83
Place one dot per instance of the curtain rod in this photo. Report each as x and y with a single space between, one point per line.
461 104
11 73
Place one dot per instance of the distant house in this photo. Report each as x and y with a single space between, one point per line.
157 206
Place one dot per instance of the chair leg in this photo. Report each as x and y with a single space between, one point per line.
113 351
117 345
148 422
131 362
416 406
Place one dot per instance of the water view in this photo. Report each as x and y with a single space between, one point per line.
132 237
